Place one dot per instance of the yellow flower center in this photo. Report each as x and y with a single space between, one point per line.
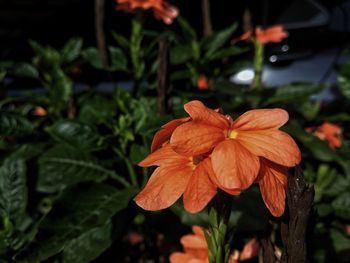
232 134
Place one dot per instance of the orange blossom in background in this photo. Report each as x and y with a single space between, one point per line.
202 82
328 132
161 9
196 249
273 34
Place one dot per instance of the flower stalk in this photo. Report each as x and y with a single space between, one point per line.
258 64
217 235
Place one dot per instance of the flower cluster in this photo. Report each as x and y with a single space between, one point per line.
328 132
196 249
161 9
274 34
208 150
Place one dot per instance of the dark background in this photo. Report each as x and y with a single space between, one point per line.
54 21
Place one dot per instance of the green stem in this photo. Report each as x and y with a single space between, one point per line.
217 236
258 65
129 167
136 51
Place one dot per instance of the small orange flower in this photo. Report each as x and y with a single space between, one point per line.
202 82
196 249
39 111
161 9
134 238
195 246
274 34
328 132
177 175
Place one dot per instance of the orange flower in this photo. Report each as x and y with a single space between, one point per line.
195 246
196 249
202 82
274 34
328 132
161 9
39 111
177 175
236 145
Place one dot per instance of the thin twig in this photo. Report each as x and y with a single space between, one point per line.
163 76
100 34
207 25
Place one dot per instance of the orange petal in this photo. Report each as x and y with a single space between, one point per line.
165 156
274 145
235 167
261 119
199 112
194 138
163 135
194 242
250 250
198 231
272 186
179 257
165 186
216 182
200 189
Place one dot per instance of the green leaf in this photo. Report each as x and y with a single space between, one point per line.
29 150
2 75
24 70
62 166
138 153
60 88
12 124
71 50
45 57
78 135
79 210
187 30
89 245
293 93
119 60
217 40
92 56
228 52
181 54
325 177
309 109
341 242
344 85
13 189
341 206
122 41
97 109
